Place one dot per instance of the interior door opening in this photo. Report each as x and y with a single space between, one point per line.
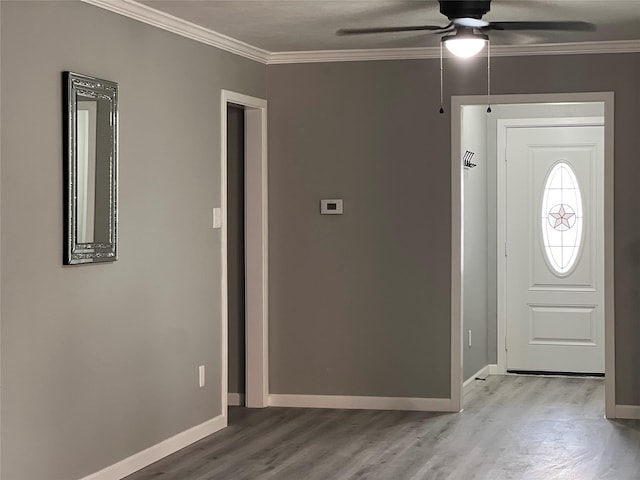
236 268
250 222
550 320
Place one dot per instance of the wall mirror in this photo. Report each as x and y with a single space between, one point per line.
91 169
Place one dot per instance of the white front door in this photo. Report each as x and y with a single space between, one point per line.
555 248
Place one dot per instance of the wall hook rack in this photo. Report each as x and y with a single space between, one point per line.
466 159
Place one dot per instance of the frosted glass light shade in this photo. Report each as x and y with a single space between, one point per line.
465 47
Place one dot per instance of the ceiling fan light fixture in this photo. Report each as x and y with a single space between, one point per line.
465 45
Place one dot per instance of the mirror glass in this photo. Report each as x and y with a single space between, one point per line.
91 168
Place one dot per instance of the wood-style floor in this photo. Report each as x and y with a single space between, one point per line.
511 428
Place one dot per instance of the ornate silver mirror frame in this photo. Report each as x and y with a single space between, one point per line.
91 169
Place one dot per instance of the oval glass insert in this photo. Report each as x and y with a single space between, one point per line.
562 218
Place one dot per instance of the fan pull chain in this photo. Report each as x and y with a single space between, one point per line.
441 94
488 76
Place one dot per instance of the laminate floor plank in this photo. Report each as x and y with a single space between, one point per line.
512 427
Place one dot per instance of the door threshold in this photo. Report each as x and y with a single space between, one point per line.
554 374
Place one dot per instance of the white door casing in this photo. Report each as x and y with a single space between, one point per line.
554 295
256 248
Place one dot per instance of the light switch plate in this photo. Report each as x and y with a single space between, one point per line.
331 206
217 217
201 378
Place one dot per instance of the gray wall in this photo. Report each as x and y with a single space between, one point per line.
474 267
235 247
100 362
359 303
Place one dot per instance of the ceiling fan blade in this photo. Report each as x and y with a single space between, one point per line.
571 26
359 31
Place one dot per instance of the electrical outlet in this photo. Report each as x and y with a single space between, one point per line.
469 337
201 375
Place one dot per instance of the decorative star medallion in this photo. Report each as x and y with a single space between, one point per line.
562 217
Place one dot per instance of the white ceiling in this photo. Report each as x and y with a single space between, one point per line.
305 25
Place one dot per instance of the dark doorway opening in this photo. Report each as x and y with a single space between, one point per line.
236 252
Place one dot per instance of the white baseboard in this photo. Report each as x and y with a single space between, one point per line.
235 399
156 452
628 412
363 403
469 383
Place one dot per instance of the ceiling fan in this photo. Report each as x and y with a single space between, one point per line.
466 33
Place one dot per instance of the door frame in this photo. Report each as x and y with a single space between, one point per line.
256 251
501 221
457 245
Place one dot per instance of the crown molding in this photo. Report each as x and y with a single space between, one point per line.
361 55
574 48
151 16
577 48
